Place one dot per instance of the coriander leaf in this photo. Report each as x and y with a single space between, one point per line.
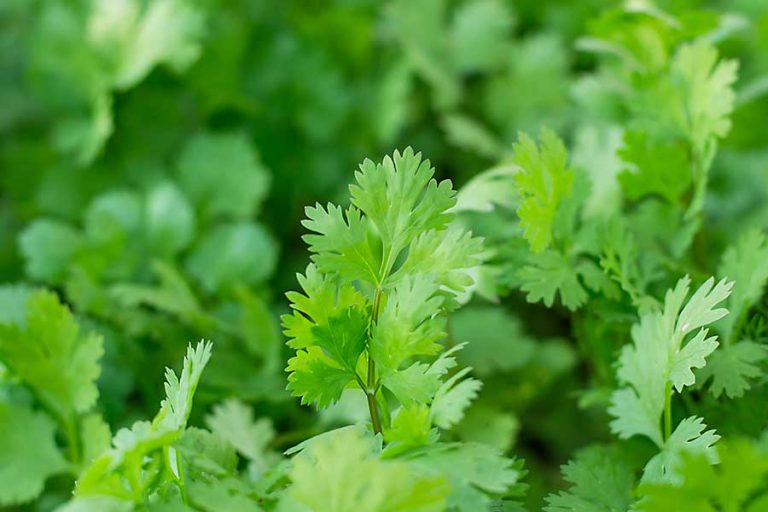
601 482
414 384
410 428
233 421
316 378
746 263
223 176
689 436
408 323
180 390
453 398
543 181
320 301
48 248
13 303
706 89
28 453
737 483
447 256
549 273
243 252
480 35
731 368
169 218
136 38
51 356
325 482
658 356
655 168
496 340
692 355
135 450
341 246
401 199
476 473
343 337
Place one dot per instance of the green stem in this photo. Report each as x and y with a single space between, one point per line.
370 389
73 441
668 411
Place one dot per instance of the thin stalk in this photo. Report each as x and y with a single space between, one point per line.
73 440
668 411
370 389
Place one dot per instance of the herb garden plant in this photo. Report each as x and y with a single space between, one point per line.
575 321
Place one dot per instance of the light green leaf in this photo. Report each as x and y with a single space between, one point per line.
746 263
48 248
543 182
731 368
689 436
658 356
401 199
233 421
223 176
169 218
233 253
28 453
316 378
325 482
548 274
52 356
341 246
601 482
453 398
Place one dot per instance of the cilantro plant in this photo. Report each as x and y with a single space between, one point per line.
583 295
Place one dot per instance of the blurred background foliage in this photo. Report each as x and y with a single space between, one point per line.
156 158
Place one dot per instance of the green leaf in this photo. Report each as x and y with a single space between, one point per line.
731 368
412 385
548 274
737 483
28 453
410 429
401 199
746 263
408 324
601 481
496 340
476 472
341 246
447 256
658 356
689 436
134 38
170 220
705 86
130 468
51 356
180 390
48 248
543 181
655 168
229 254
480 34
321 301
223 176
453 398
325 482
316 378
234 422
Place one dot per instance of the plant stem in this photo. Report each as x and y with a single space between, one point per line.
370 390
668 411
